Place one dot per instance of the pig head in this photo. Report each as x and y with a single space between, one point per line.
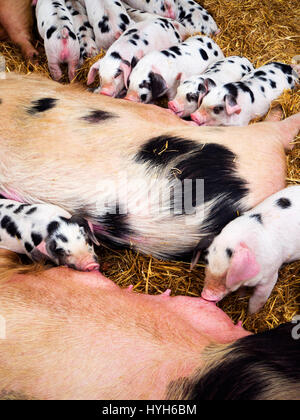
116 154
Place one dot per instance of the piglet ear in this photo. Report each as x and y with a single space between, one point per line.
126 69
158 84
232 107
42 249
243 266
92 73
92 234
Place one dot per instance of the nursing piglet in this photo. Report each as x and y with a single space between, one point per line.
238 103
56 27
47 231
165 8
191 91
83 29
195 18
250 250
115 68
109 20
16 20
160 72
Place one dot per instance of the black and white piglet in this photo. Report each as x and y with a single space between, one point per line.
165 8
45 231
238 103
160 72
55 25
192 90
109 20
83 28
195 18
142 38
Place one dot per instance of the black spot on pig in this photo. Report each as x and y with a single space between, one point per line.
192 97
115 223
88 25
28 247
260 73
203 54
272 84
245 88
42 105
9 225
124 18
232 89
20 208
258 217
65 18
10 206
133 42
284 203
161 150
52 227
175 50
31 211
62 238
116 55
229 252
285 68
97 116
36 238
130 31
75 13
102 24
50 31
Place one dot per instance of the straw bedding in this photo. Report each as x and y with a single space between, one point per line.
263 31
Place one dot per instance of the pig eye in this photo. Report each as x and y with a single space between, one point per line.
60 252
218 109
143 97
118 72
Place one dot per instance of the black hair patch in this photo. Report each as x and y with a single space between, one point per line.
50 31
31 211
97 116
258 217
284 203
161 150
115 223
52 227
11 229
42 105
254 366
36 238
28 247
20 208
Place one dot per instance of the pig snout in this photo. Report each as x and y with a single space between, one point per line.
93 266
176 107
200 117
108 90
132 96
212 296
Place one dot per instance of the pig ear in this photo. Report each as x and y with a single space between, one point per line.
158 85
243 266
126 69
92 73
232 107
118 34
42 249
92 234
209 84
87 225
204 243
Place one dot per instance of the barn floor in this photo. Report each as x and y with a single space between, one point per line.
263 31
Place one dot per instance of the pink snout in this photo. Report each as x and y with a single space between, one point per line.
93 266
132 96
200 117
107 90
210 296
176 107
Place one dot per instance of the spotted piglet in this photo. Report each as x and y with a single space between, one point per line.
109 20
83 28
195 18
160 72
45 231
238 103
55 26
250 250
165 8
138 15
143 37
192 90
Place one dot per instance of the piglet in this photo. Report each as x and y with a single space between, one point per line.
16 20
160 72
83 29
143 37
238 103
47 231
165 8
250 250
56 27
191 91
109 20
195 18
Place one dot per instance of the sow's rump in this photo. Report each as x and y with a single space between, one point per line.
103 158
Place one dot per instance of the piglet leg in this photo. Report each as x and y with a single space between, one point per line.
289 128
55 70
261 294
